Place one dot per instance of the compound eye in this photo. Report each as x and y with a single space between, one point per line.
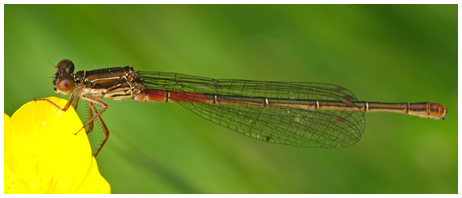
65 65
65 85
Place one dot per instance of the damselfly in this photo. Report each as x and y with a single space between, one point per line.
293 113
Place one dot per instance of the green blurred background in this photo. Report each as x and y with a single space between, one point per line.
388 53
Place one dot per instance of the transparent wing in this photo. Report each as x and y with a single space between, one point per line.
292 126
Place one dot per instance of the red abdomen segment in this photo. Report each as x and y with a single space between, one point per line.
170 96
426 110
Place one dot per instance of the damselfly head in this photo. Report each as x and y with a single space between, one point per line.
64 80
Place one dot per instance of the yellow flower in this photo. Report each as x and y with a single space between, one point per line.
42 154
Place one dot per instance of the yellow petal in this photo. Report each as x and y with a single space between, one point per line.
43 151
